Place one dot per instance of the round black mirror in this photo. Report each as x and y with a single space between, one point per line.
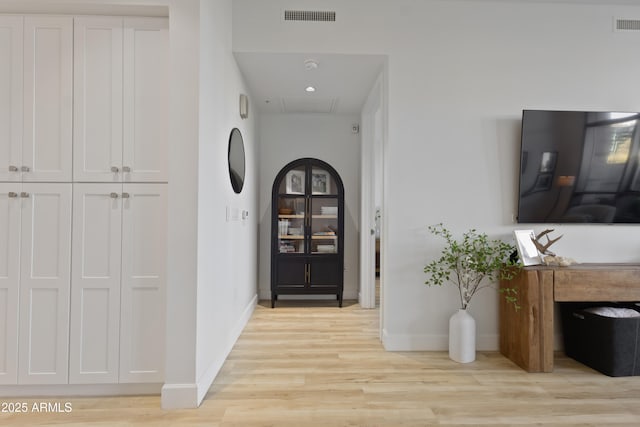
236 160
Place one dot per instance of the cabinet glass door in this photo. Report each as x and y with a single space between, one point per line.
291 224
323 213
291 212
324 225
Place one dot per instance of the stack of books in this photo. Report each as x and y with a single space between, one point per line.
327 248
287 247
329 210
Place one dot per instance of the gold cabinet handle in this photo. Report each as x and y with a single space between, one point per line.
125 195
13 168
12 194
115 169
25 168
113 195
24 194
126 169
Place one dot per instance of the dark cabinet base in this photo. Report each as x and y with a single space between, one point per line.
308 275
307 291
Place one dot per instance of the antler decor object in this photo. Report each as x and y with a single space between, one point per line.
544 248
550 258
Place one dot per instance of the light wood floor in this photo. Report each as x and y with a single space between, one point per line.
306 366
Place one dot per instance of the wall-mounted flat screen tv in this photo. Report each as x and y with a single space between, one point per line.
579 167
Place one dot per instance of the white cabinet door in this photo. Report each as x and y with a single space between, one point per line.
95 283
144 252
97 152
121 99
44 283
118 283
9 281
10 97
146 106
47 130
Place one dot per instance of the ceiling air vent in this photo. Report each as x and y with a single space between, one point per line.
624 25
309 15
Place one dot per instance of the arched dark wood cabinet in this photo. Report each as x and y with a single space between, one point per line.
307 231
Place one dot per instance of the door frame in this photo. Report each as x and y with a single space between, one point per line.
373 140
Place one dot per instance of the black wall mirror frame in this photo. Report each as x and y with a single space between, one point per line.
236 160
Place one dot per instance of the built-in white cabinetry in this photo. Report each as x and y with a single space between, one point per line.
118 304
95 297
121 99
83 204
144 254
119 216
35 202
36 87
35 229
11 96
10 212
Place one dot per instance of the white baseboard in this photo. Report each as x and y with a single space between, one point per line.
433 342
244 319
179 396
414 342
206 379
47 390
186 396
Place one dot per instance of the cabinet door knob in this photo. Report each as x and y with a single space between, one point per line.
12 194
126 169
25 168
115 169
113 195
13 168
24 194
125 195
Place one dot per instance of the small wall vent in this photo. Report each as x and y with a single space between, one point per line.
625 25
309 15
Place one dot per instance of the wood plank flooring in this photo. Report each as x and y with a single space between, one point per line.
318 365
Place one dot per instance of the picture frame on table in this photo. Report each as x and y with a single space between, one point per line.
529 254
295 182
320 182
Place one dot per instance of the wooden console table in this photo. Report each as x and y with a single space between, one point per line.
526 335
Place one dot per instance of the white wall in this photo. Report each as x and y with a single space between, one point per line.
459 75
227 249
182 238
328 137
213 291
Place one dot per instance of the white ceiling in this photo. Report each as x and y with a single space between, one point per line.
277 81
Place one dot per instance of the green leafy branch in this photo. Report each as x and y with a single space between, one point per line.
472 264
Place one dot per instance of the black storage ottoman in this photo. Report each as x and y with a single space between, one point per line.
609 345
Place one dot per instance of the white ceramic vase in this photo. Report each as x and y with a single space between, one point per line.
462 337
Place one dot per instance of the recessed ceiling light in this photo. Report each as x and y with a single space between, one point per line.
310 89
